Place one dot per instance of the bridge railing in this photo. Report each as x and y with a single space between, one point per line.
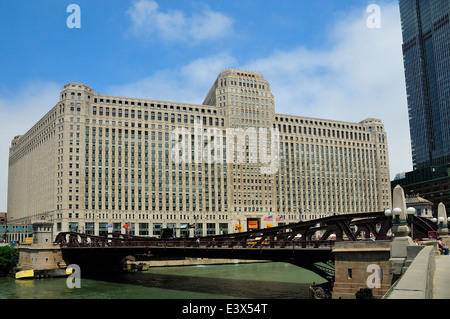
352 227
204 243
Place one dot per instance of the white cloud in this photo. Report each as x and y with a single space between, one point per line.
361 75
20 111
148 20
188 84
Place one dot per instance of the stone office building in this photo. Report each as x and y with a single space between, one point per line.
97 164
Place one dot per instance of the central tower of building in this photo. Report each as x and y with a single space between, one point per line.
245 101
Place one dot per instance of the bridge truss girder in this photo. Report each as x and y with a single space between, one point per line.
297 243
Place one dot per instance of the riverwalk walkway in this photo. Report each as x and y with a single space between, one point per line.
441 281
427 277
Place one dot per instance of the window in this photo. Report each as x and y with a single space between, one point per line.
102 228
210 229
143 229
184 231
157 228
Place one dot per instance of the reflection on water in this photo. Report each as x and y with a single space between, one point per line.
265 280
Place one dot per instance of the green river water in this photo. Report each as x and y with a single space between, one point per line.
234 281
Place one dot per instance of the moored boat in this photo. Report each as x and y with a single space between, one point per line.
25 274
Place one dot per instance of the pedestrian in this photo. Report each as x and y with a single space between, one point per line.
442 247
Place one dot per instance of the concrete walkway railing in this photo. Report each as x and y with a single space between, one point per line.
417 281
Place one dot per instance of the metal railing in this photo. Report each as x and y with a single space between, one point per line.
202 244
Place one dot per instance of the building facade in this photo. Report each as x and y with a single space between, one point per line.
97 164
426 39
431 183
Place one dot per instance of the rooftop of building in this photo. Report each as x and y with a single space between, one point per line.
416 199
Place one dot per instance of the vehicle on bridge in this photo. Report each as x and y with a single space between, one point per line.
258 241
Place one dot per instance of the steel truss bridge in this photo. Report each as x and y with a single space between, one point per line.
298 243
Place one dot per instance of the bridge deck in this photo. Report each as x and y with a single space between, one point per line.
303 244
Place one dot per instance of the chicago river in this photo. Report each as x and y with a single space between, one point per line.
234 281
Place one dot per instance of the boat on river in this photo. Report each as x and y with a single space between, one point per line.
25 274
42 273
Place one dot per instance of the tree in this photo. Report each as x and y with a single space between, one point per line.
8 259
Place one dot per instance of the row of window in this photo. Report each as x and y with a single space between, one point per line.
156 106
145 115
147 229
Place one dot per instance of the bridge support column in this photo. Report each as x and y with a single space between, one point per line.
443 224
401 232
362 265
42 256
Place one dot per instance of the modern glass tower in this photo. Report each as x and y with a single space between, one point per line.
426 51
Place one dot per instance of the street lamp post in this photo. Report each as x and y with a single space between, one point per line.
400 229
442 221
411 211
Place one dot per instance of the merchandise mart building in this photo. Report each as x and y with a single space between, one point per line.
99 164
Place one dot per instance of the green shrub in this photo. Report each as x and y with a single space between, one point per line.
8 259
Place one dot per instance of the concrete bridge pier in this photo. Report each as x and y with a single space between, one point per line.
362 265
428 274
442 223
42 256
401 231
376 266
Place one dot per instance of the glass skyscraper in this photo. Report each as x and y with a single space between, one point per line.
426 51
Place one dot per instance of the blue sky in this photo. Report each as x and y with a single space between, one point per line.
320 56
37 44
